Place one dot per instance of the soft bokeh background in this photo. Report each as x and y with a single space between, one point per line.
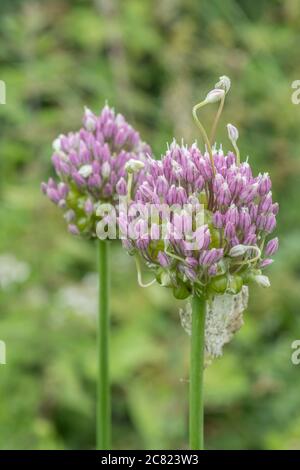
152 60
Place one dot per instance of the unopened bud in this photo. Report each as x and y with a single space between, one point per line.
89 120
224 83
85 171
105 171
233 133
214 96
56 144
132 166
238 250
262 280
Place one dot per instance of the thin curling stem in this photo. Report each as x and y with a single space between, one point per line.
139 274
196 412
216 120
237 152
203 133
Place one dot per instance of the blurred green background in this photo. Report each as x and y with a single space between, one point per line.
152 60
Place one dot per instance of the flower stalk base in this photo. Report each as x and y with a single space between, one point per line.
103 386
196 418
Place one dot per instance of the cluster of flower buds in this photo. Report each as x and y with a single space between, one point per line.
91 167
227 249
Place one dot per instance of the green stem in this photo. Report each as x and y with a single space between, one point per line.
216 120
196 374
103 387
203 133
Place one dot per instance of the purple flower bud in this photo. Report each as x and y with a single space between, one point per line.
181 197
107 190
63 190
88 207
69 216
270 223
224 196
96 167
236 184
250 239
249 193
163 259
202 237
44 187
217 219
146 191
73 229
233 133
191 262
232 215
234 241
121 187
78 179
53 195
230 159
142 244
211 256
264 184
162 186
229 231
244 220
212 270
266 262
266 202
205 169
253 211
275 208
172 193
94 181
199 183
190 273
272 247
89 120
121 137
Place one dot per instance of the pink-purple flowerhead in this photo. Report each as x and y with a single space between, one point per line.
229 247
91 167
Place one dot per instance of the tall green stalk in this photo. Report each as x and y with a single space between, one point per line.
196 374
103 386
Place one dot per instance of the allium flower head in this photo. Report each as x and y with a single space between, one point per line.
91 167
213 243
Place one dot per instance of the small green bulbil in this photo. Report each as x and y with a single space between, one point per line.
218 284
181 292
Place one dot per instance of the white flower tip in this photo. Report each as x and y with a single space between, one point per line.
105 171
233 133
85 171
262 280
224 83
214 96
56 145
238 250
132 166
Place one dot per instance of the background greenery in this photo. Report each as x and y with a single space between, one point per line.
152 60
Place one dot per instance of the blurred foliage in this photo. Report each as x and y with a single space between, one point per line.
152 60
